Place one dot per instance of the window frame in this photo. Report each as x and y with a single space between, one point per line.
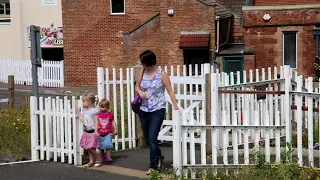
5 8
124 8
283 43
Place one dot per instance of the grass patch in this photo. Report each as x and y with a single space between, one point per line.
15 139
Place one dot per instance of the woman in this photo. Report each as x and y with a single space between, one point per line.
151 84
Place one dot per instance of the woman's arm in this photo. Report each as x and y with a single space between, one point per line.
142 94
137 87
167 84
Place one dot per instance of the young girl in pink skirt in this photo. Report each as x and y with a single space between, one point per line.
90 139
106 126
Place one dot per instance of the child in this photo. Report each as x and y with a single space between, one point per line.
90 139
105 124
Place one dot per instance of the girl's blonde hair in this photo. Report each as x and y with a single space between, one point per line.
91 98
104 103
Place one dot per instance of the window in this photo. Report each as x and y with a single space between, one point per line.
4 8
117 6
290 49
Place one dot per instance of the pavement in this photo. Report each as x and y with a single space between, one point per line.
43 170
127 164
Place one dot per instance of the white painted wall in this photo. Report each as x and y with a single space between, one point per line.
23 14
6 41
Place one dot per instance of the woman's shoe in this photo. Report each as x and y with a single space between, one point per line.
150 171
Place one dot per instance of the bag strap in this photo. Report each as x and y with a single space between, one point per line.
142 75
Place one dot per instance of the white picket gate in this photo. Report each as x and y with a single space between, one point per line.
55 130
235 108
51 74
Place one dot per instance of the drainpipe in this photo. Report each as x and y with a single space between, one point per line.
316 32
218 32
214 58
317 46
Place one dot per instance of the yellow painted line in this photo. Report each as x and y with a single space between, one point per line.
121 170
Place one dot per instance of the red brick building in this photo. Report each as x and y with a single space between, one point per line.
112 33
282 32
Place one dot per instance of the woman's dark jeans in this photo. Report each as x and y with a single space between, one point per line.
151 123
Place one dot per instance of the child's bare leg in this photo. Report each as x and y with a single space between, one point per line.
102 155
108 151
90 156
95 154
91 159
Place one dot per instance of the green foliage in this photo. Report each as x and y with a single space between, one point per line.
261 170
15 136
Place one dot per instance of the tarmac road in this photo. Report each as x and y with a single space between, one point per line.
20 97
55 171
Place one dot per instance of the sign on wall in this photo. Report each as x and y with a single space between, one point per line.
49 2
49 37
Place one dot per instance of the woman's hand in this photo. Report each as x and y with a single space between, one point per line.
115 132
143 95
96 133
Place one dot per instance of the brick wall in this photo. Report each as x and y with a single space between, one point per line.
201 18
237 31
93 37
266 37
146 37
284 2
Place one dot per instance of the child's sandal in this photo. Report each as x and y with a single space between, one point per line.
89 164
97 164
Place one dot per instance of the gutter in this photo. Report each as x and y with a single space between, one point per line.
218 34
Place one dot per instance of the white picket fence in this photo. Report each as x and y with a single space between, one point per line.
51 74
235 108
117 85
56 133
120 91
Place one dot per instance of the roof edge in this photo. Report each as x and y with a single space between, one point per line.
212 5
138 27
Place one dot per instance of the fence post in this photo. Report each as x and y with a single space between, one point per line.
287 105
215 115
310 121
62 73
207 103
139 132
34 128
176 147
11 91
100 79
208 112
